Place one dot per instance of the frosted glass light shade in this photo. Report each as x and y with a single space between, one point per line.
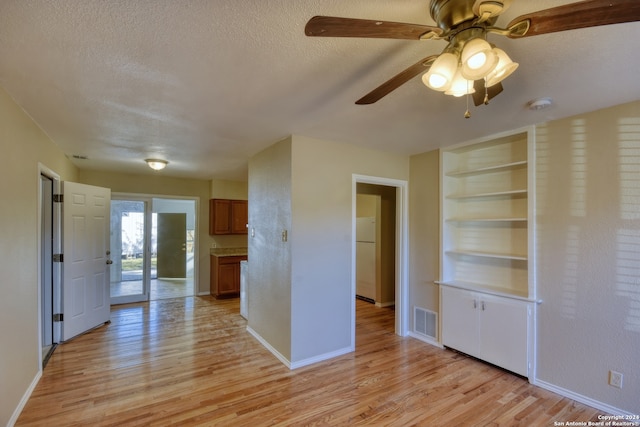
441 73
478 59
504 68
156 164
460 86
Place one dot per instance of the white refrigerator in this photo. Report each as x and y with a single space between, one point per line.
366 257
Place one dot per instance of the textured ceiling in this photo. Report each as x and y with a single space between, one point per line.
206 84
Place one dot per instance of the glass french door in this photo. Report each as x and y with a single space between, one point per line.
131 271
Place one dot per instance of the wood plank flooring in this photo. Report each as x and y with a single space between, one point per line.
190 362
159 288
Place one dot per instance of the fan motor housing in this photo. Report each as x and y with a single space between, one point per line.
448 14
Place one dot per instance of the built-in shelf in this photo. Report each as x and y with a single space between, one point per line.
489 194
485 212
494 168
487 291
491 290
488 255
505 219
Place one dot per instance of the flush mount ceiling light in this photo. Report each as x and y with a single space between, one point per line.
156 164
469 64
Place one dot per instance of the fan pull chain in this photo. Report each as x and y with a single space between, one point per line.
486 93
467 113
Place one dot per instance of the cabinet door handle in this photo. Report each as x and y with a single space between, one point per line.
475 304
482 305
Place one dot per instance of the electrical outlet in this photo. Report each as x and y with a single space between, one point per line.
615 379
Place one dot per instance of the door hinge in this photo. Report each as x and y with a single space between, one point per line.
58 317
58 198
58 257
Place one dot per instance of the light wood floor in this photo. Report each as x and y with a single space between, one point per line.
159 288
190 361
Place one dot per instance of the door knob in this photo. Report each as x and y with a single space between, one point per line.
109 262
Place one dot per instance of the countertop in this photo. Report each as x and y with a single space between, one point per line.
228 251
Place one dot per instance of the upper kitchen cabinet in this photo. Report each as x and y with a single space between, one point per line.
227 216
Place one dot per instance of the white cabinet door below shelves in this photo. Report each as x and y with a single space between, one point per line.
503 331
491 328
460 320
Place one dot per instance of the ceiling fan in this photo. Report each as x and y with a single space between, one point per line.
469 64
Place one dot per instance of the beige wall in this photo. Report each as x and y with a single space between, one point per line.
24 145
322 239
269 282
160 185
588 253
424 231
300 290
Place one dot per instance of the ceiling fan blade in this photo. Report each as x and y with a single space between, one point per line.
478 95
398 80
584 14
330 26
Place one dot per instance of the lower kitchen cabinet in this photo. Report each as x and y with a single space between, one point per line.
489 327
225 275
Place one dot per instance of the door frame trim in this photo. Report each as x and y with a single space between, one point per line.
402 250
146 279
196 237
56 248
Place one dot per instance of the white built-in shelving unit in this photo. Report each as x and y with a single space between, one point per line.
487 280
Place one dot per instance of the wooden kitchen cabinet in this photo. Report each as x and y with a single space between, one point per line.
228 216
225 275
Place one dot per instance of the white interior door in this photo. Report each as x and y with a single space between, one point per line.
86 258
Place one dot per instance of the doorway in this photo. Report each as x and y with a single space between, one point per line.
394 192
47 238
376 244
154 245
130 242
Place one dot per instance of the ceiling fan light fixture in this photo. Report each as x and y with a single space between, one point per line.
460 86
156 164
477 59
503 70
441 74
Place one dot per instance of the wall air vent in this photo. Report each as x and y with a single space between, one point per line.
425 322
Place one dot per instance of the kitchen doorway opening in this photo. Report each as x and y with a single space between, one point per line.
376 244
388 209
153 242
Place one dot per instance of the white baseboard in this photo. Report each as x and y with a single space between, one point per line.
321 358
268 346
385 304
425 339
25 399
300 363
580 398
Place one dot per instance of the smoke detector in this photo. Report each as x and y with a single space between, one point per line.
539 104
